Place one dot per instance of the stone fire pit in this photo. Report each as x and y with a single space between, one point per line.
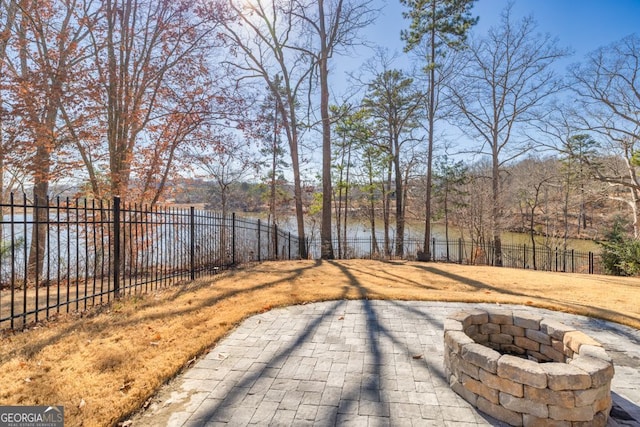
526 370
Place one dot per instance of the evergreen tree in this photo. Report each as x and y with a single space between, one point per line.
436 26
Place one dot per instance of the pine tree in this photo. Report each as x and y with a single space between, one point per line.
437 26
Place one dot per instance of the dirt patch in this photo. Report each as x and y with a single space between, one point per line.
106 365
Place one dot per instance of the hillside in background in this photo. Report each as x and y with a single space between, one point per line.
533 189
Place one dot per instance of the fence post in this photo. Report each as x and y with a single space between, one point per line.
289 257
13 257
590 262
233 238
36 235
192 243
433 251
116 246
275 240
524 256
448 260
259 240
459 251
573 261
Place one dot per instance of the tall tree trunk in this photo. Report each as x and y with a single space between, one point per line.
274 163
325 228
386 214
339 203
372 217
11 8
565 214
41 178
496 210
399 204
532 235
427 255
446 219
117 100
297 194
289 119
346 203
634 203
582 218
43 124
39 230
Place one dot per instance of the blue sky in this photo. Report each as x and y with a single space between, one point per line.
582 25
579 25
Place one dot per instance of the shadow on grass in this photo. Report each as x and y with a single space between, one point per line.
387 273
547 303
99 325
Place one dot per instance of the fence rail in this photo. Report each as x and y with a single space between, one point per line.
63 255
463 252
87 252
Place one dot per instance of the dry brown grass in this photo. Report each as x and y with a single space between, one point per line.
105 366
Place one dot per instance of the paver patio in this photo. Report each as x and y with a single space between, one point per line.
354 363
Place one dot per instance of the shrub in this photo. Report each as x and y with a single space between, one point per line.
620 254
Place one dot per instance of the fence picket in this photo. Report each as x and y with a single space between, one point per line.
112 249
126 248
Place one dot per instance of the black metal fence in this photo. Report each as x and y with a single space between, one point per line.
61 256
463 252
66 256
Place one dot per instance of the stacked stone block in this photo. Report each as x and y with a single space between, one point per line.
526 370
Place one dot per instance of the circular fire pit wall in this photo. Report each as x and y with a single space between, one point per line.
527 370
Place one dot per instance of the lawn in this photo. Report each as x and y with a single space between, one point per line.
103 365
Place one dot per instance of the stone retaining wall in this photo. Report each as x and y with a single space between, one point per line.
526 370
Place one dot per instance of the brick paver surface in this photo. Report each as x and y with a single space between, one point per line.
354 363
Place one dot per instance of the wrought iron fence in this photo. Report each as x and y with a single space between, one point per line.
67 255
464 252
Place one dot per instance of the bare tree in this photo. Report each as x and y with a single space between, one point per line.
579 156
449 178
260 39
332 25
47 56
8 127
474 210
536 178
502 87
225 162
607 84
153 89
